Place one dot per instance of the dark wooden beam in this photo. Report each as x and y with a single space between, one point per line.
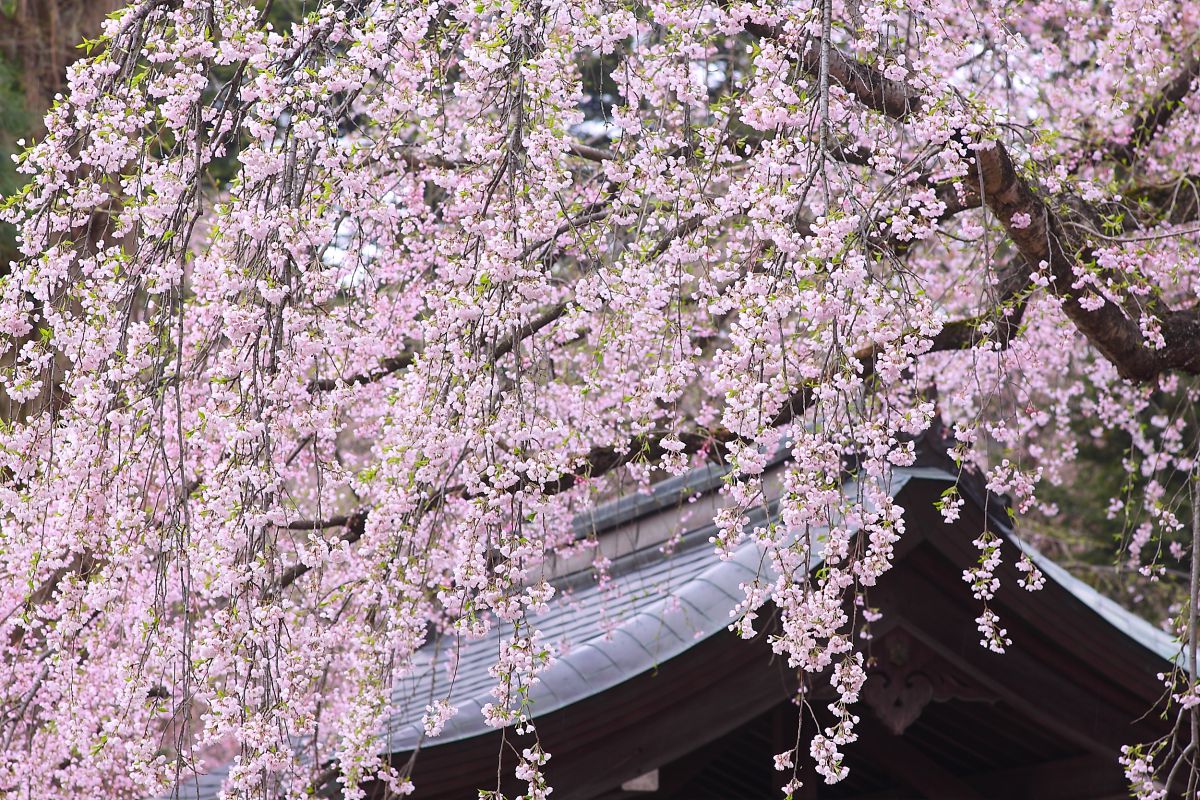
597 744
909 766
1084 777
1047 694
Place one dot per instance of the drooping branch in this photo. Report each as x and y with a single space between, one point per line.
506 345
954 202
996 184
962 334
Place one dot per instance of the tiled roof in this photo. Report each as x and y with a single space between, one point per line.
653 607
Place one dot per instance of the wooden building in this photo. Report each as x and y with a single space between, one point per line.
655 698
652 697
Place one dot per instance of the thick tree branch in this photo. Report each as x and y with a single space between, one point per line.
1157 114
388 366
578 149
353 526
1114 330
506 345
865 83
590 153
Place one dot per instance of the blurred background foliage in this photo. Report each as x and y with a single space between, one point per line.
38 40
15 122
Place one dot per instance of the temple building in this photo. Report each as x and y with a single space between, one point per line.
651 696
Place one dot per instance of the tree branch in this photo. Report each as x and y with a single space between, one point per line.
1111 328
1114 330
1006 194
1157 115
958 335
354 526
387 366
962 334
865 83
575 148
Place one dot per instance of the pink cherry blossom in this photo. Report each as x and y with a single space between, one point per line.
482 266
